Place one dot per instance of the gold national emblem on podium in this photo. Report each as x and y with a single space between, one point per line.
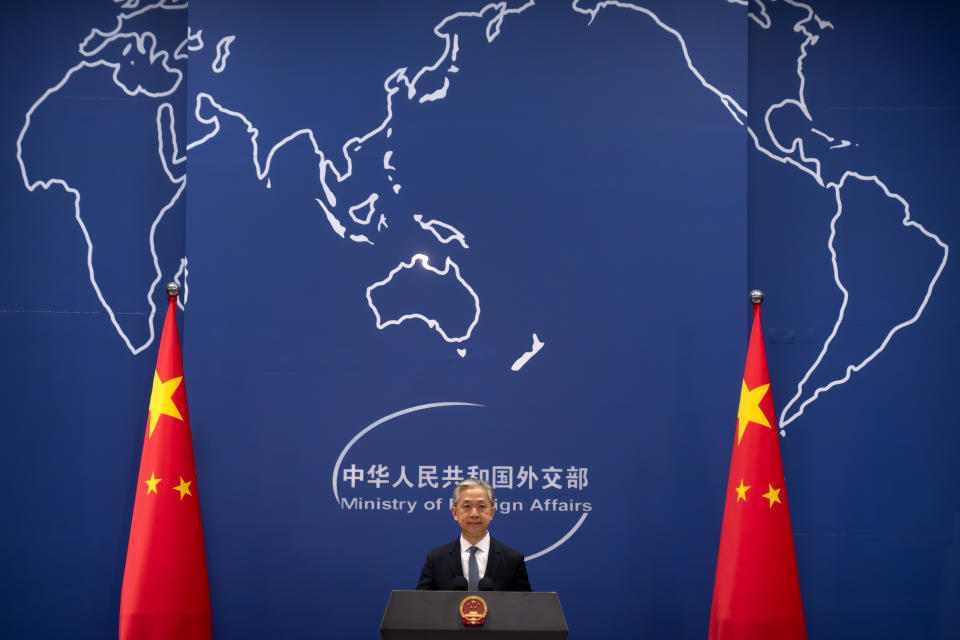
473 611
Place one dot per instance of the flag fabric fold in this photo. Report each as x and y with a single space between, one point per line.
756 593
165 593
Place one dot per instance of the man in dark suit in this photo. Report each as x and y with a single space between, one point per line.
474 561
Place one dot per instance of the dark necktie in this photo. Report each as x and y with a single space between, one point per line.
473 579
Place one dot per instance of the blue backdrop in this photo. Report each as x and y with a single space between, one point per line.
511 240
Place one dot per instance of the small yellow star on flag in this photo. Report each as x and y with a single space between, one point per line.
749 409
773 495
152 482
161 400
183 488
742 491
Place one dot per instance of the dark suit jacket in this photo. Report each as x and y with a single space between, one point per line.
505 568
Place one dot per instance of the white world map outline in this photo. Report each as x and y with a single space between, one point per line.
223 52
424 262
433 225
810 39
520 362
780 152
141 40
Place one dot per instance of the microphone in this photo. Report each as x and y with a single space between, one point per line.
486 584
459 583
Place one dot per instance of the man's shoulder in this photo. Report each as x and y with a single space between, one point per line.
497 546
449 547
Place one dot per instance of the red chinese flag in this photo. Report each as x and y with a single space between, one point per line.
756 593
165 593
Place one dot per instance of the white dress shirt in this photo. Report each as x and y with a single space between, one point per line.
483 553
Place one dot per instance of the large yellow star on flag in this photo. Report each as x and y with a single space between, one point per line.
183 487
161 400
749 410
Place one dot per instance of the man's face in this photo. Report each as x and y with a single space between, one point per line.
473 512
